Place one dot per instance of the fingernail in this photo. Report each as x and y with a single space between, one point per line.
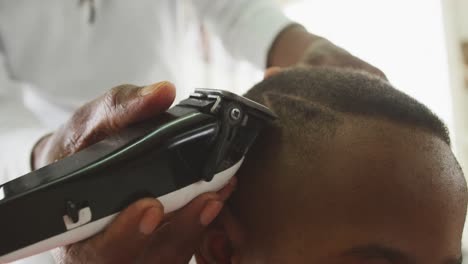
152 88
210 212
150 220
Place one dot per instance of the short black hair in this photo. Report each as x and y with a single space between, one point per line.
295 176
305 95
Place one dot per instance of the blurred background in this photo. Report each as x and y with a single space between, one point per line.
421 45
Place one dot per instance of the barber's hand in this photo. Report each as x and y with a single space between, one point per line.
115 110
141 233
324 53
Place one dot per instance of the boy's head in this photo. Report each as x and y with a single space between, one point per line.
354 171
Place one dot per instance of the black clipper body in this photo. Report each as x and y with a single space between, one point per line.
195 147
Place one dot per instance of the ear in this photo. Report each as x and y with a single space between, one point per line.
221 241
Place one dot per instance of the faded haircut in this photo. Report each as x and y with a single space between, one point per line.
317 99
312 104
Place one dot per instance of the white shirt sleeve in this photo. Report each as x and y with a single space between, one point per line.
19 129
246 27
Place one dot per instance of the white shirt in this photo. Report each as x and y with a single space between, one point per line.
52 59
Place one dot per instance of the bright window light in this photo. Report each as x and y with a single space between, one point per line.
405 39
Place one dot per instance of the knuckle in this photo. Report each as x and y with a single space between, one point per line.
111 105
96 119
73 142
145 203
118 96
80 116
115 102
75 130
112 98
207 196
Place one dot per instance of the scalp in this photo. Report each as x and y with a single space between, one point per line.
342 151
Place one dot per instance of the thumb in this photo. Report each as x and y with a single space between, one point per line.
126 238
128 104
118 108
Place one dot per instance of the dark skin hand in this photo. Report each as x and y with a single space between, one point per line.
118 108
295 46
141 233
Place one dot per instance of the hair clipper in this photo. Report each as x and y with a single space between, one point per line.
193 148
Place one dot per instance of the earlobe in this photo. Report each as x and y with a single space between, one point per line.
215 248
221 241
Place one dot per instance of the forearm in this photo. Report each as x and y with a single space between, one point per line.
296 46
290 46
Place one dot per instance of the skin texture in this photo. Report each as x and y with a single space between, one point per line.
141 233
118 108
377 193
